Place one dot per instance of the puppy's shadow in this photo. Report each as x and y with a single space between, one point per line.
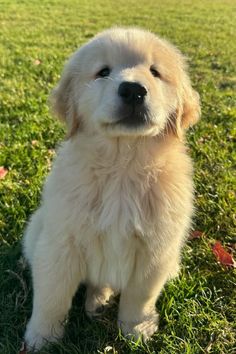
15 298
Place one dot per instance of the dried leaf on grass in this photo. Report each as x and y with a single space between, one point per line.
37 62
224 257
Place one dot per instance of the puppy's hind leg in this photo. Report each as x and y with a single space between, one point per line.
96 300
57 269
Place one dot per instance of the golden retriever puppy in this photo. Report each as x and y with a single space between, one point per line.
117 205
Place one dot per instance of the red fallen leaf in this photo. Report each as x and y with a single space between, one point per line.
195 234
23 349
3 172
224 257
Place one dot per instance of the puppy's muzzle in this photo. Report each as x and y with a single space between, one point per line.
133 111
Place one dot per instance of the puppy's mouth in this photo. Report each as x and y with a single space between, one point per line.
135 121
132 117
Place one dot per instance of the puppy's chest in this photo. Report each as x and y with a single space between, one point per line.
114 215
114 204
110 259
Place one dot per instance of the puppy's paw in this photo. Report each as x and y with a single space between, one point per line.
97 300
144 328
37 336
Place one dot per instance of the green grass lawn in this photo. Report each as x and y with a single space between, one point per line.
198 309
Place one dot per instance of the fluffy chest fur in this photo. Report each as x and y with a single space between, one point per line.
117 201
106 186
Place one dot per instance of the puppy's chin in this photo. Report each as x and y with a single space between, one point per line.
120 129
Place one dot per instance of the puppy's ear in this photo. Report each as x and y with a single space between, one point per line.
189 111
191 108
63 105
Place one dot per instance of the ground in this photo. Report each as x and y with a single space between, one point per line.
197 310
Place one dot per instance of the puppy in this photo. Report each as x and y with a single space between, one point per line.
117 205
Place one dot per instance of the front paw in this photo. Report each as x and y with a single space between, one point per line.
143 328
37 336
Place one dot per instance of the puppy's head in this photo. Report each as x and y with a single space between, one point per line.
126 82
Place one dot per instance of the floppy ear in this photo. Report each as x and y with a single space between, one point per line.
63 103
191 108
188 112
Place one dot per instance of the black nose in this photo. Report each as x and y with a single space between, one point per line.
132 92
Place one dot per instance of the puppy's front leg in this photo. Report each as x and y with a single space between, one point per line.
57 270
137 313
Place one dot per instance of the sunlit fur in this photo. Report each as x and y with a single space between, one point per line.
117 205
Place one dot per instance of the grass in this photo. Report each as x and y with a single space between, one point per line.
198 309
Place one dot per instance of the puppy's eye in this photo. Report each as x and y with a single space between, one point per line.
104 72
155 72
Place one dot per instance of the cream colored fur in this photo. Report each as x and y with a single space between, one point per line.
117 205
